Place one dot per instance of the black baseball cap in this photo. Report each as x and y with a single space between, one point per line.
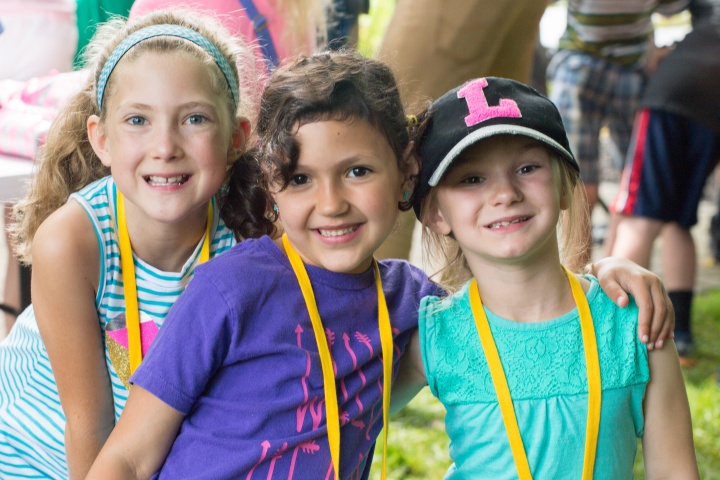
480 109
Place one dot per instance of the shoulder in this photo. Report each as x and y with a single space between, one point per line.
250 253
623 358
251 267
68 231
440 316
603 308
401 276
65 244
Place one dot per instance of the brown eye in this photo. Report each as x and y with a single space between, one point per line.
358 171
299 180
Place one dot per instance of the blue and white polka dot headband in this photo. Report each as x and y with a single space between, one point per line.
172 31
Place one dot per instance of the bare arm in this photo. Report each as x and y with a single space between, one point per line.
668 448
411 376
619 277
140 442
64 283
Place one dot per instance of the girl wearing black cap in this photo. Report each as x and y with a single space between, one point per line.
541 374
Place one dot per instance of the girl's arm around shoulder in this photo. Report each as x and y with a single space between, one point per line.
619 277
140 442
411 376
66 264
668 448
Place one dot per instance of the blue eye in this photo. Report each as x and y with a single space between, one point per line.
196 119
137 120
358 171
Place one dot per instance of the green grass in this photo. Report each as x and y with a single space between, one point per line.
418 446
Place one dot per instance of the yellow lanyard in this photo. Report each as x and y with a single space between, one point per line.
503 392
331 404
127 268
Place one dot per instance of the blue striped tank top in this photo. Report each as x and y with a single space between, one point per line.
32 422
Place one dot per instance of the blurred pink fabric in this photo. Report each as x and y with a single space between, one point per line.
231 14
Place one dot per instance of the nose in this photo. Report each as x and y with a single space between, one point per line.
331 200
505 190
166 142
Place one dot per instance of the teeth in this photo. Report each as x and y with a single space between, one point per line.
336 233
505 224
176 180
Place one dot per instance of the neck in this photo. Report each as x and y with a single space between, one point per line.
524 293
166 247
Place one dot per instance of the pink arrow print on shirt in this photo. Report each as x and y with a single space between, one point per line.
302 409
365 340
316 414
346 340
330 335
265 447
275 458
309 447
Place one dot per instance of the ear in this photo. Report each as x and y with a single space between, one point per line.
409 170
98 139
238 140
435 220
410 163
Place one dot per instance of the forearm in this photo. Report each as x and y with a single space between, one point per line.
111 466
410 378
668 446
82 446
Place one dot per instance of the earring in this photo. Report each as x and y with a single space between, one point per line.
275 207
406 196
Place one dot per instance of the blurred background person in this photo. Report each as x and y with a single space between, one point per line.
676 146
598 74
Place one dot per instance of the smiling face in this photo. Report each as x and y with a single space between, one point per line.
501 202
167 137
342 200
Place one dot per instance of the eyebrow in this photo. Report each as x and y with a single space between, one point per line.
184 106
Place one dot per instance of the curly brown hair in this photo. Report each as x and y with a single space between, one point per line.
331 85
67 162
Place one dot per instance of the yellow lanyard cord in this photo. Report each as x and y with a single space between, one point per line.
331 403
127 266
503 392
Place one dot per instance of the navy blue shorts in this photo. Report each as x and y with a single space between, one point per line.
669 160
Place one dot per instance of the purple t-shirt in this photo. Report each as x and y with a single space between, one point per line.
237 355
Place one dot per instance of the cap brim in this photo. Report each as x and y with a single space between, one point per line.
490 131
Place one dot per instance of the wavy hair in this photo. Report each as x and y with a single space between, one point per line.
67 161
341 85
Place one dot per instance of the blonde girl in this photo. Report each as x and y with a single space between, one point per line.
541 374
120 212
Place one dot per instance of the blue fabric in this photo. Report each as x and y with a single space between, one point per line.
252 387
32 422
672 158
545 367
262 33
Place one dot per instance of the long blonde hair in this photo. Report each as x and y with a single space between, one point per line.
67 161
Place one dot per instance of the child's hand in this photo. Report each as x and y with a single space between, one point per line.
619 277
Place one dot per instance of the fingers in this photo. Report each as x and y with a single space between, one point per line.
656 317
663 314
646 315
